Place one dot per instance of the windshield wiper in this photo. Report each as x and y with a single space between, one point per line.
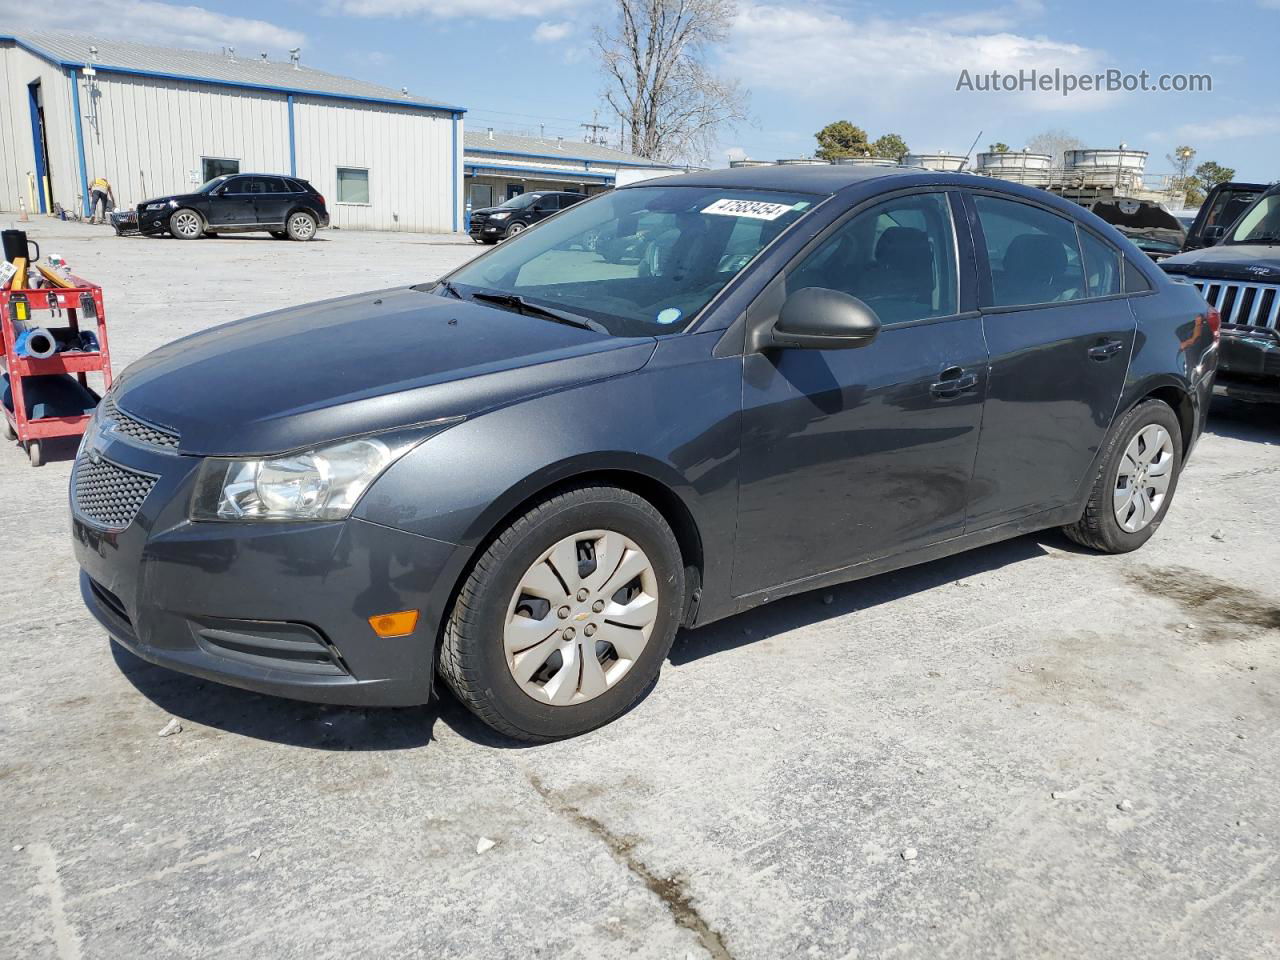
1265 238
450 289
521 305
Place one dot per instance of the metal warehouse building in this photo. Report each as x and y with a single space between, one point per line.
499 166
156 121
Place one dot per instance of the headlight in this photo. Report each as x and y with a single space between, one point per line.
324 483
499 216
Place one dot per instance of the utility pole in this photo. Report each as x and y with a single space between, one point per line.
596 132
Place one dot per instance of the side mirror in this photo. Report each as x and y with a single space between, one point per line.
816 318
1214 234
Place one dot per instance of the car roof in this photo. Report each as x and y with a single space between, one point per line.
802 178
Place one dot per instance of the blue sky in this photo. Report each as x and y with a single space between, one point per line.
519 64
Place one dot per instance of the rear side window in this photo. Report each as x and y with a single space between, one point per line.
898 257
1101 266
1135 280
1034 254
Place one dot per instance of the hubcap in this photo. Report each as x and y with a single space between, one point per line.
1143 480
187 224
581 617
302 227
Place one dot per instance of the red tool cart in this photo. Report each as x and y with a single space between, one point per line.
57 309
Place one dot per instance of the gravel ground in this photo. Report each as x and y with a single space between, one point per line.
1025 751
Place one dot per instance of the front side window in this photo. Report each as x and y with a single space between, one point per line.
641 261
1034 254
353 185
1101 266
899 258
1260 223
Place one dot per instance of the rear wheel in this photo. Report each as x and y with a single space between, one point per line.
301 226
568 615
1136 482
186 224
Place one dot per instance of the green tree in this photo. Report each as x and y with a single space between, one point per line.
1210 174
890 146
1183 188
998 147
842 139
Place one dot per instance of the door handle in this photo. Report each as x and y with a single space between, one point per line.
954 381
1106 349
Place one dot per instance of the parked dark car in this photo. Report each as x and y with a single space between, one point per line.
813 374
1153 229
1240 276
288 208
491 224
1220 210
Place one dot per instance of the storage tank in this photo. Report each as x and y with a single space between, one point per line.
1018 166
941 162
1110 167
803 161
750 163
865 161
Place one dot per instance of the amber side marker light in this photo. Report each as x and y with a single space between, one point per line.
394 624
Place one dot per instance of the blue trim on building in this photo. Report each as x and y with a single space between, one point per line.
237 84
37 142
293 142
455 161
546 174
585 161
74 76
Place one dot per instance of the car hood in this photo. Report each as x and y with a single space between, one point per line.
179 197
302 376
493 210
1233 261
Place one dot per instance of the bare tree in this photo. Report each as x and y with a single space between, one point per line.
654 59
1055 143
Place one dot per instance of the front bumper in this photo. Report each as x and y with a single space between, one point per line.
279 608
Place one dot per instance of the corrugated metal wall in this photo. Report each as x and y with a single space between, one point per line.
407 152
147 136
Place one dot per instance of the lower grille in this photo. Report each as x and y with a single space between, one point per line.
1242 304
271 645
109 600
108 495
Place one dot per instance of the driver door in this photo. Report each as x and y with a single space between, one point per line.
849 455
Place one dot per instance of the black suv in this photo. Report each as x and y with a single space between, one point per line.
1241 277
518 214
286 207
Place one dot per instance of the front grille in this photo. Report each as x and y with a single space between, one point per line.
106 494
135 429
1242 304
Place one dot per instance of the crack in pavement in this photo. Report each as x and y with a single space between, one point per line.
669 890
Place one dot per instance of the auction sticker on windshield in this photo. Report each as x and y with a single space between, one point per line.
752 209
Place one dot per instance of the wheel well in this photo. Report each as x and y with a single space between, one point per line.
1182 406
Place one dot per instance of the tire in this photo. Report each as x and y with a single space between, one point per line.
474 657
1100 527
9 432
279 235
301 226
35 453
186 224
514 229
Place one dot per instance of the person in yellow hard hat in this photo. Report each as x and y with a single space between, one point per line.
100 193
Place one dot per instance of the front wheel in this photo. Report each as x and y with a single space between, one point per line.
301 226
515 228
186 224
1136 482
566 618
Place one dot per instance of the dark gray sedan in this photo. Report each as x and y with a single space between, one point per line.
527 476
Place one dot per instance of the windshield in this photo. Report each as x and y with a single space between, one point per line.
519 201
1260 223
210 184
641 261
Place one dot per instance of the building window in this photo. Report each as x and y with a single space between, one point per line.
218 167
353 185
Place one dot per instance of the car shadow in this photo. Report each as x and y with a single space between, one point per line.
805 609
1237 420
59 449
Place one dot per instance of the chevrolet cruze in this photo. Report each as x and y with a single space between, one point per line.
660 407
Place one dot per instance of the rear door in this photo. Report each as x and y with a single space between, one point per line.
272 202
850 455
1060 335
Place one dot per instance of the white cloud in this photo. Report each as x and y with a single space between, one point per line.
169 24
551 32
1231 127
488 9
816 50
